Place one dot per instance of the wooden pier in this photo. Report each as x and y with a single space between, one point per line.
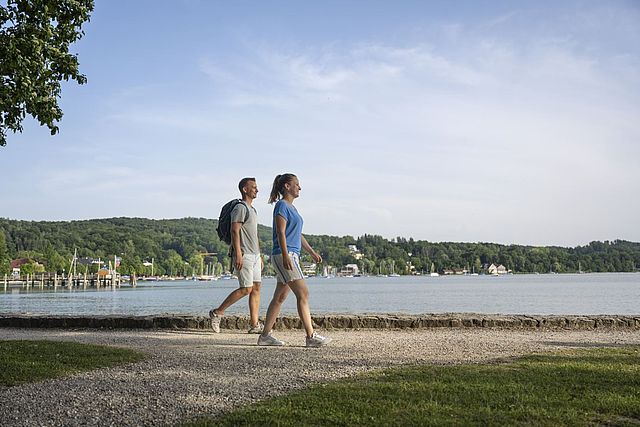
74 281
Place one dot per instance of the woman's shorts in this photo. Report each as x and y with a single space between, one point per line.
251 270
283 275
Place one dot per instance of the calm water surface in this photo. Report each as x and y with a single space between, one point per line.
603 293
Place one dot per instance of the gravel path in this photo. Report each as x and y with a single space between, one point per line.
194 373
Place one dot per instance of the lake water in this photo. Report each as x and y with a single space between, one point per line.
603 293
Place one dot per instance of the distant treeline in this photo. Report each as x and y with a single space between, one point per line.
180 247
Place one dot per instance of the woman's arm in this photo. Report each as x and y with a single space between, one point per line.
307 247
281 225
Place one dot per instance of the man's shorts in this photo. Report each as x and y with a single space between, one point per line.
251 270
283 275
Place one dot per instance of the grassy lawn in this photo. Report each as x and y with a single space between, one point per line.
577 387
29 361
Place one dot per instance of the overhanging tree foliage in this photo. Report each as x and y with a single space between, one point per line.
34 58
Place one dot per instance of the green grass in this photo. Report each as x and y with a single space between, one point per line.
580 387
30 361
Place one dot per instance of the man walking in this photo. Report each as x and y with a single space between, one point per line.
245 258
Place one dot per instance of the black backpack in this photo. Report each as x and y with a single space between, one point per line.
224 222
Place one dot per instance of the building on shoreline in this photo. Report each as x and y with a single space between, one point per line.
497 270
349 270
309 268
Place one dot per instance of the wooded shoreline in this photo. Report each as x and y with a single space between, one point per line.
190 246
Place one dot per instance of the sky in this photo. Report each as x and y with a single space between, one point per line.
514 122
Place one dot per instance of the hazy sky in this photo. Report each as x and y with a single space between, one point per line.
510 122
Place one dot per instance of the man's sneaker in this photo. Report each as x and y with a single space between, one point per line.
269 340
317 340
256 329
215 321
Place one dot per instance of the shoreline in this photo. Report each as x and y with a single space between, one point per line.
330 321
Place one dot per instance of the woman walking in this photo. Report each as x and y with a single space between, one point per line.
287 243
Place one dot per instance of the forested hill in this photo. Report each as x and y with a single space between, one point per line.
177 247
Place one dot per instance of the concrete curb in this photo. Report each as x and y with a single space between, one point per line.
330 321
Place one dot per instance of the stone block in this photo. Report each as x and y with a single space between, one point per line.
528 322
471 322
604 322
553 322
585 323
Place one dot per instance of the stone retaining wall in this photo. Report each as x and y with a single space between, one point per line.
332 321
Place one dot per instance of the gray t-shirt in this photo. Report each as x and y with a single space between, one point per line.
249 230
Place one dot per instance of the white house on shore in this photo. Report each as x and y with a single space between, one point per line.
16 264
309 268
497 269
349 270
355 252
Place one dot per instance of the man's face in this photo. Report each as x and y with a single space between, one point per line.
251 189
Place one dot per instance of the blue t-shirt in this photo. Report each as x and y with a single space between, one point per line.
293 230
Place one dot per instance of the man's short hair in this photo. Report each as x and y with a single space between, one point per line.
243 182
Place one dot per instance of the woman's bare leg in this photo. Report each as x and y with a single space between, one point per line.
279 297
299 288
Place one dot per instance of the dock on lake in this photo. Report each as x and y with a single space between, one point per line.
48 280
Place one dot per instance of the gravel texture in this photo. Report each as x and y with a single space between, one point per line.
189 374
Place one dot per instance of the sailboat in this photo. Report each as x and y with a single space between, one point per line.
380 274
392 273
473 271
433 273
326 274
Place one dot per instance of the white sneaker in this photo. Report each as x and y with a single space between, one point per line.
269 340
215 321
317 340
256 329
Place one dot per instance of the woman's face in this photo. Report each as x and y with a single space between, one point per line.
293 187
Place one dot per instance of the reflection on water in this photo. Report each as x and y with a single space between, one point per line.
605 293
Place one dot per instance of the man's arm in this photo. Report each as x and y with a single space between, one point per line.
235 241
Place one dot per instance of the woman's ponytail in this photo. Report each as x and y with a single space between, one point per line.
275 194
277 191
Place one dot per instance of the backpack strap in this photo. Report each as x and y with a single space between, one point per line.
246 217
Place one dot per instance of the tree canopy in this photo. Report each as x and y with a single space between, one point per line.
34 58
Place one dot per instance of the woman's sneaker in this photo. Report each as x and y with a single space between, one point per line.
317 340
256 329
215 321
269 340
